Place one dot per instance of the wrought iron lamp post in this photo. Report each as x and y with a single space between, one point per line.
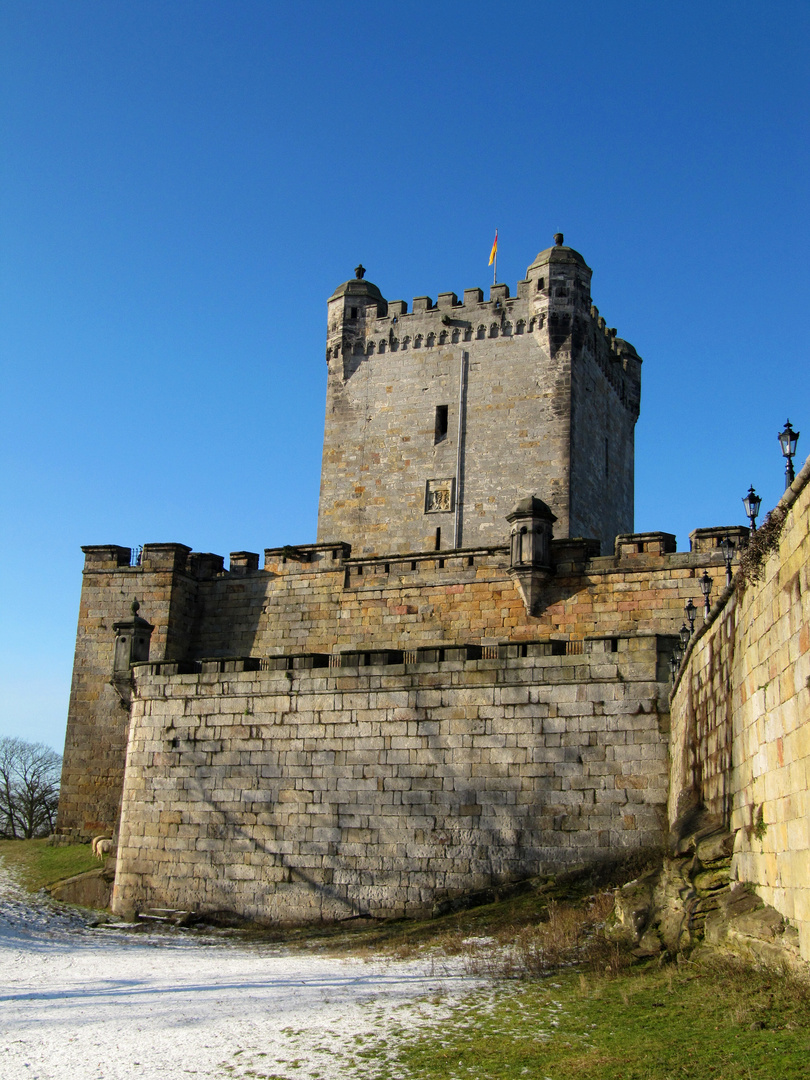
691 612
706 588
787 440
752 503
727 544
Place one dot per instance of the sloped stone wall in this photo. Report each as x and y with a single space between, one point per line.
741 721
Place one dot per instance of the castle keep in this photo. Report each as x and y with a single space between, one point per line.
465 680
440 419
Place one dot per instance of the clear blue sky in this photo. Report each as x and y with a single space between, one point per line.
184 183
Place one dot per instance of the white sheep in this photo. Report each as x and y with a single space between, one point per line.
101 846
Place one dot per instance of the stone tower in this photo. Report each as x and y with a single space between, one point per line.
439 420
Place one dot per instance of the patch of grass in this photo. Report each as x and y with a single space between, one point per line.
721 1021
38 864
527 905
760 545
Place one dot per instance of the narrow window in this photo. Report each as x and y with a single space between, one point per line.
440 430
353 313
438 539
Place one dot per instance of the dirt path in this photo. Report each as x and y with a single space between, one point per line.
83 1004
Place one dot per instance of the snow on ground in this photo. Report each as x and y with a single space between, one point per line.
104 1004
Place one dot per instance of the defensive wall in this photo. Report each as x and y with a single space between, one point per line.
289 790
318 599
740 741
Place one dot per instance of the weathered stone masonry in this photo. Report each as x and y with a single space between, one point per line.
315 793
539 396
741 721
318 600
463 682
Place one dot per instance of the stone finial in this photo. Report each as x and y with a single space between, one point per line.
135 607
558 239
359 271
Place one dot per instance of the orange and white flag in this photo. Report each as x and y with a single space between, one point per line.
494 251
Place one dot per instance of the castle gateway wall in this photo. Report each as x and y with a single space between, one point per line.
302 793
741 721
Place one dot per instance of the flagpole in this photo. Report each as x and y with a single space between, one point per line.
495 268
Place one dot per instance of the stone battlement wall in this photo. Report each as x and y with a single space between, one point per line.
317 599
307 793
336 605
449 321
741 720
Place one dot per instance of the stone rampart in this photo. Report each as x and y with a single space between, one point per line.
317 599
299 791
741 720
418 599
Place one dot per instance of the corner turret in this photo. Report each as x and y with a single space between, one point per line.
351 307
559 279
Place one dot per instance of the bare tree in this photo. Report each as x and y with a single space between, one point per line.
29 788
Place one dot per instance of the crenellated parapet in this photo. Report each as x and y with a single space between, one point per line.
318 606
553 303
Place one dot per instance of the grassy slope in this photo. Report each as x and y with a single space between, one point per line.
566 1004
37 864
721 1022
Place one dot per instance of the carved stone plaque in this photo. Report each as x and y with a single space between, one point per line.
439 496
